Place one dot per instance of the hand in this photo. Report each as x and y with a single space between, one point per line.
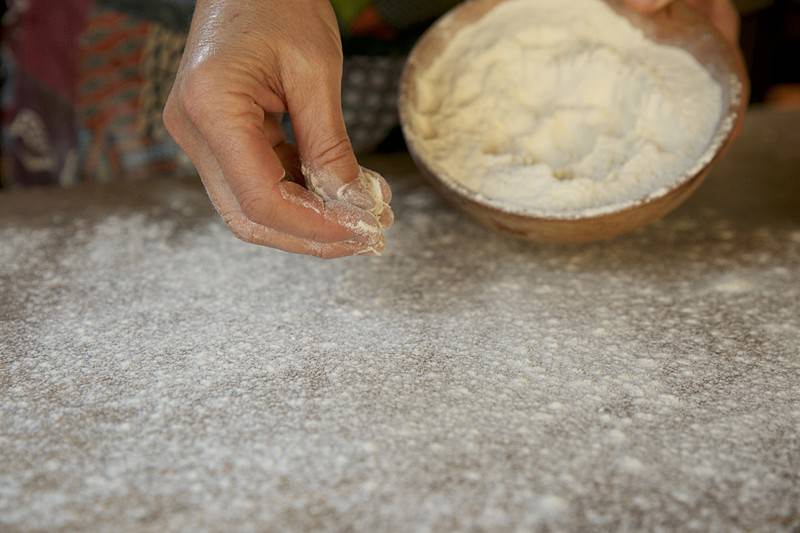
246 63
721 12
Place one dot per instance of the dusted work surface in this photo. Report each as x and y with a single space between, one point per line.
156 373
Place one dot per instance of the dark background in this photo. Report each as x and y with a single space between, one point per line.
771 43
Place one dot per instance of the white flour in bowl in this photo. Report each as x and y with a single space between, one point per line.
562 108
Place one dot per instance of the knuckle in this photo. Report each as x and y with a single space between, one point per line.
173 119
198 93
169 117
333 149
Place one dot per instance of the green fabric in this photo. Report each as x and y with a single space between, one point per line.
347 10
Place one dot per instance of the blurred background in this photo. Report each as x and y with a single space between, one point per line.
84 81
770 42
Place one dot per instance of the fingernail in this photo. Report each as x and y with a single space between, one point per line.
387 216
362 224
354 194
365 225
320 182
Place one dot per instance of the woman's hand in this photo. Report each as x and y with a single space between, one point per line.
246 63
721 12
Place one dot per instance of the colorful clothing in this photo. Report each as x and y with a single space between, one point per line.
86 81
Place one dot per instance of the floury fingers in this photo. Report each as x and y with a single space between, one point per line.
368 194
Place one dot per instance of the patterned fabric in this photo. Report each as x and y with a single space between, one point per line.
86 81
84 90
369 98
111 90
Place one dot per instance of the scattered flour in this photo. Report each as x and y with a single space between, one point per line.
158 374
365 194
732 284
563 108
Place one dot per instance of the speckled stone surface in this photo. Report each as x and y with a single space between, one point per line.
156 374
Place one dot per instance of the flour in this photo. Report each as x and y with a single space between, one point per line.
563 108
157 374
368 192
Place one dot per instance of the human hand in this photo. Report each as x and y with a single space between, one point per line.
246 63
721 12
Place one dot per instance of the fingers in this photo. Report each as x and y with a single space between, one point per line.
386 191
369 191
326 176
329 166
314 103
386 218
724 16
245 229
236 75
290 160
365 236
353 193
647 6
240 137
248 231
722 13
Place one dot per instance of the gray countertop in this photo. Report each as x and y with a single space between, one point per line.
157 374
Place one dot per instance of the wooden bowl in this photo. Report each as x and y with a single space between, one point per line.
679 25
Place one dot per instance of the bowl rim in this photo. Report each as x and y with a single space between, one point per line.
731 116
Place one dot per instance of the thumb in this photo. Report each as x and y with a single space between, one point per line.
322 141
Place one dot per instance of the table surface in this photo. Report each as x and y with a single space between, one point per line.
157 374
